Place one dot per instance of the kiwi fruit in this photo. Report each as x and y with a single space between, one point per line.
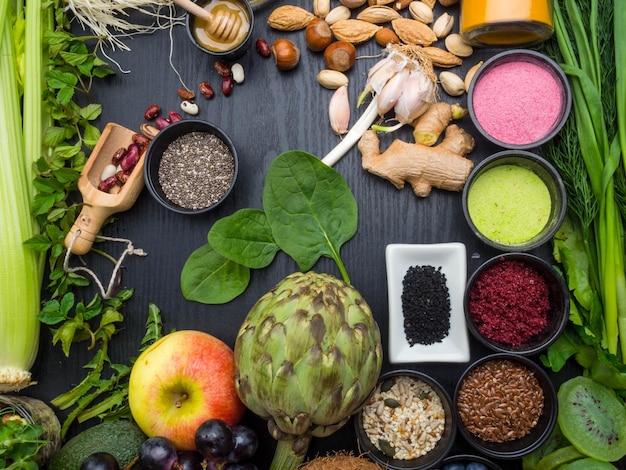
588 464
592 418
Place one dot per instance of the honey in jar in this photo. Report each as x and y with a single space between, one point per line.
506 22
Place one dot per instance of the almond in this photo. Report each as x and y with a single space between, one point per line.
352 4
448 3
354 31
289 18
413 32
378 14
442 58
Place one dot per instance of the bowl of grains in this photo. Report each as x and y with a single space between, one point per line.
505 405
407 422
516 303
425 285
191 166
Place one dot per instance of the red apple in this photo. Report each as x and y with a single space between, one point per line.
179 382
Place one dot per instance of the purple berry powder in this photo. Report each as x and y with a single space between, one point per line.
518 102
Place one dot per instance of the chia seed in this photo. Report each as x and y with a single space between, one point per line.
196 170
425 305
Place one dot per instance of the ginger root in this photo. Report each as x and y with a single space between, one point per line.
443 166
428 127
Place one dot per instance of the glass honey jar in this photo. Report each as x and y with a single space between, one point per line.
506 22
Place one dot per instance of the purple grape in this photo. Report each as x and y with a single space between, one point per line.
240 466
214 439
100 461
244 444
157 453
189 460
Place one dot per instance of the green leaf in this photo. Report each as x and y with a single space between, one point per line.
91 111
57 79
91 136
65 94
53 136
209 278
245 238
309 207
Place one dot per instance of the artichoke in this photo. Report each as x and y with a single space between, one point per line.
307 356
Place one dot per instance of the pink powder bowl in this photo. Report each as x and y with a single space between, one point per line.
519 99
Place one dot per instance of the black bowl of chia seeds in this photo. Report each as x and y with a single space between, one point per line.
191 166
516 303
407 422
505 406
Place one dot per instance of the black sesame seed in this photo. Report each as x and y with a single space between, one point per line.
425 305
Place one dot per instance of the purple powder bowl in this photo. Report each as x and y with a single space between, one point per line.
519 99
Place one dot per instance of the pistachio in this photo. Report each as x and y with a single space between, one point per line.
443 25
421 12
470 74
331 79
458 46
340 12
321 8
451 83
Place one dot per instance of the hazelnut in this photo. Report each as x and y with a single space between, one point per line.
340 55
318 35
286 54
385 36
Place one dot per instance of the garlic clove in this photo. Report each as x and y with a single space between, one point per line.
391 92
418 95
339 110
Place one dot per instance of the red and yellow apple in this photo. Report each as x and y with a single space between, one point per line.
180 381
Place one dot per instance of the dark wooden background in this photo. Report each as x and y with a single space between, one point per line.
270 113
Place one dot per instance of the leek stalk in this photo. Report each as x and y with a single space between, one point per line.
21 133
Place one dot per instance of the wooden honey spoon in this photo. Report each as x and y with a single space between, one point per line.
98 205
223 22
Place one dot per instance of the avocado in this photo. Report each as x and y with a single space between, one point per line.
120 438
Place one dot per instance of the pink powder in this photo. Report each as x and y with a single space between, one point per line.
517 102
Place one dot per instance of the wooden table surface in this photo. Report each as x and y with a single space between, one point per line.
269 113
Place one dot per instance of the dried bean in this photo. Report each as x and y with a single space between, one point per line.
141 140
206 90
152 112
186 94
227 85
222 68
118 155
189 107
161 122
173 116
107 184
108 171
263 47
122 176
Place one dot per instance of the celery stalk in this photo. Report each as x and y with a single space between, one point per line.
21 269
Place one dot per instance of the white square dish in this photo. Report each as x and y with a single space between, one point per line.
451 257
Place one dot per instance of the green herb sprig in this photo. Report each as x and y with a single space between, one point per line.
20 441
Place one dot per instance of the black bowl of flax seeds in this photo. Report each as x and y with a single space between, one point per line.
505 405
191 166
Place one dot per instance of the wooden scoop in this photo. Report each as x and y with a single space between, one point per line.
99 205
224 22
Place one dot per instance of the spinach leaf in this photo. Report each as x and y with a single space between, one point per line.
245 238
310 209
210 278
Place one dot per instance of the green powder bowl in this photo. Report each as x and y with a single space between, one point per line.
514 200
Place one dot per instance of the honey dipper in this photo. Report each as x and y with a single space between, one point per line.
223 22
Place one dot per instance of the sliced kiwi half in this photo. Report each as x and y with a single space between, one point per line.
588 464
592 418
